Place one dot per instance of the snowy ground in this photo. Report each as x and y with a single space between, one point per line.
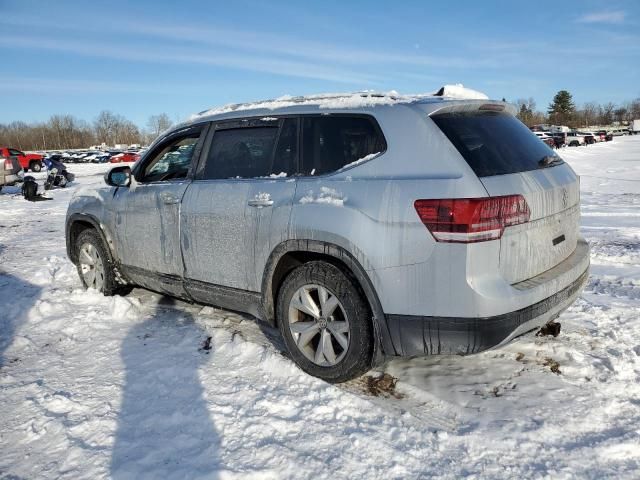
92 387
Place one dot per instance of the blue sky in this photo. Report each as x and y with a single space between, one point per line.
147 57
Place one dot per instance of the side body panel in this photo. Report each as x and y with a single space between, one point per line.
218 233
271 222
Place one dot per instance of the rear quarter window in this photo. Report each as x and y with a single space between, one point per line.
493 143
332 142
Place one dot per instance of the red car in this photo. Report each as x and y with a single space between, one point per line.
28 161
125 157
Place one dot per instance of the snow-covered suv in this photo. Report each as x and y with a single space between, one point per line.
363 226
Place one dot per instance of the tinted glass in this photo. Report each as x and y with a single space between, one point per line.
285 158
241 153
493 143
332 142
171 160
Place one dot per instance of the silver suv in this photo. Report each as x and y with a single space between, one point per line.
362 226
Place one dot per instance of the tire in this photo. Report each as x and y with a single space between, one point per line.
346 321
35 166
105 276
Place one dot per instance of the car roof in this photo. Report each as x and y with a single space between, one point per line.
356 102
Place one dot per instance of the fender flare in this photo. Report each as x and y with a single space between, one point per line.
383 343
85 218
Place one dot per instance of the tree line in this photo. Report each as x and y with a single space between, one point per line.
67 132
563 111
62 132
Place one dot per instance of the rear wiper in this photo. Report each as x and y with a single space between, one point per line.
549 161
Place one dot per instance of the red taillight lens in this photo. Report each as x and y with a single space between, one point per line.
467 220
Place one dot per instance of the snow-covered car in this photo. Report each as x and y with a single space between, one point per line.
363 226
10 170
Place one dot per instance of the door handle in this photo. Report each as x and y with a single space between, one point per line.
169 199
260 201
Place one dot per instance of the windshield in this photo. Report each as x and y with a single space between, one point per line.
495 143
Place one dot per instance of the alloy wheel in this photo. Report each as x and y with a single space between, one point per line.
319 325
91 266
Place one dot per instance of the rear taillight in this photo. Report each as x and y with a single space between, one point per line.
467 220
7 164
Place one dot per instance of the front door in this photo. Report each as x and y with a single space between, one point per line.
147 214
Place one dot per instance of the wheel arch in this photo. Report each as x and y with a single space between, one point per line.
292 253
78 223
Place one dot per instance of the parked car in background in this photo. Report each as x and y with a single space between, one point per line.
28 161
285 213
546 138
10 170
605 136
575 139
560 139
589 137
125 157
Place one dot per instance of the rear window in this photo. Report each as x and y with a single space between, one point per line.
493 143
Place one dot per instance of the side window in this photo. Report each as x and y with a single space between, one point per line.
332 142
286 156
241 153
15 153
172 160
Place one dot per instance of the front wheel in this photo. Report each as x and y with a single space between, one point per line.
35 166
95 266
325 322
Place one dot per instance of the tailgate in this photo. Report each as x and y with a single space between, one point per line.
510 160
551 235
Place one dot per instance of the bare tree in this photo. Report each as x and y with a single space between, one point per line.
158 124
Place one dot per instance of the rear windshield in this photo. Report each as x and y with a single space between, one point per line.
493 143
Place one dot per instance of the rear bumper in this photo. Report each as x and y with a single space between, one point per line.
414 335
10 179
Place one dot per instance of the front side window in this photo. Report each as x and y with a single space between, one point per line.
15 153
172 159
330 143
241 153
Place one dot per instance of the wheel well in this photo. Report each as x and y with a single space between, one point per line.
75 230
291 260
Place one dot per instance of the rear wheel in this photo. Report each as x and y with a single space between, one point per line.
325 322
94 263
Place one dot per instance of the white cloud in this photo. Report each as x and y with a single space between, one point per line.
167 55
602 17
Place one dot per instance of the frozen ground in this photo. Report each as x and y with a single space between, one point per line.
92 387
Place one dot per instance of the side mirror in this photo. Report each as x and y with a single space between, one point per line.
118 177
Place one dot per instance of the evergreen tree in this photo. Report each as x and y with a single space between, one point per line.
562 109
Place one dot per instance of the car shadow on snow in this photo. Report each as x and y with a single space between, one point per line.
164 429
19 297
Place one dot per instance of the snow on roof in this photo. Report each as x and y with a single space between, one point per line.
346 100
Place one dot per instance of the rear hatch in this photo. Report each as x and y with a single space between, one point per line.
509 159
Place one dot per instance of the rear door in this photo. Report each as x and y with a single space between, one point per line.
233 198
509 159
